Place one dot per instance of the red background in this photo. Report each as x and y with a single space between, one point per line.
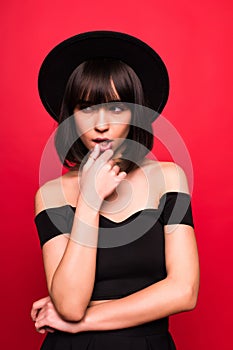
195 40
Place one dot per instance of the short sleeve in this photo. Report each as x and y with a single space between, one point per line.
52 222
176 209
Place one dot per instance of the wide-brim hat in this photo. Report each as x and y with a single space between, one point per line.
66 56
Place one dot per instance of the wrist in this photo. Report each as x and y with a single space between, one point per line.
90 203
82 326
85 224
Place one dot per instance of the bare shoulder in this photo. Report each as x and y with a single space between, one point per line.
49 195
175 178
170 176
56 192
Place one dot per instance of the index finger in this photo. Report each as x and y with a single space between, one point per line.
105 156
92 157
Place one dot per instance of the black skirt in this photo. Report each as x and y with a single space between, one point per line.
148 336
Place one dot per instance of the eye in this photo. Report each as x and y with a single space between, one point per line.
117 107
86 108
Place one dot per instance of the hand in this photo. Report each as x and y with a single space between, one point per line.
37 306
100 176
46 318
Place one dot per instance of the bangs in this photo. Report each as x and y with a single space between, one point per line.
95 85
101 81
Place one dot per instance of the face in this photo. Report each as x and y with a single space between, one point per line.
107 124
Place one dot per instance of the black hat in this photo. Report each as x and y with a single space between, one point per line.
66 56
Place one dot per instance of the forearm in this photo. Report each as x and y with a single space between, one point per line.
154 302
73 280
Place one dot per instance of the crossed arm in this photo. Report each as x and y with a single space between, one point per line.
176 293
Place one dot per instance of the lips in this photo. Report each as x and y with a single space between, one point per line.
99 140
104 143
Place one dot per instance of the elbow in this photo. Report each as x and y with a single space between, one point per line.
190 298
70 315
193 300
69 309
69 312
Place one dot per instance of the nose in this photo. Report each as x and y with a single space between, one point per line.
101 122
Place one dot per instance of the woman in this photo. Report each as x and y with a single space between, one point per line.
116 230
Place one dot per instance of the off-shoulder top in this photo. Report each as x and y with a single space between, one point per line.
130 253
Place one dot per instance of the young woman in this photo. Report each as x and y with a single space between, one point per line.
116 230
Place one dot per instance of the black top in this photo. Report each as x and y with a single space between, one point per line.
130 253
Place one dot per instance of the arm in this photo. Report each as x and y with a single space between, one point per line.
176 293
70 265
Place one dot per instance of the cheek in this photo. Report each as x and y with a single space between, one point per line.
121 131
82 126
85 137
82 131
126 130
126 126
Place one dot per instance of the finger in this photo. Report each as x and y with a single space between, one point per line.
111 162
41 302
40 316
50 330
116 169
41 322
122 175
94 154
38 305
40 330
39 326
35 313
105 156
96 151
42 326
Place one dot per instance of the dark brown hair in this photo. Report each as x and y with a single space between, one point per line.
91 81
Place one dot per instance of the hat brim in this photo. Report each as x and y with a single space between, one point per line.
66 56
